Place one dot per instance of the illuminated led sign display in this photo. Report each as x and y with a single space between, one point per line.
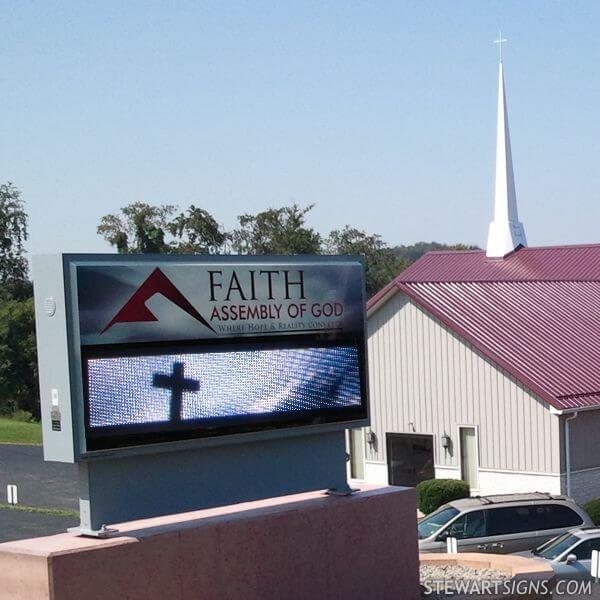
168 349
132 398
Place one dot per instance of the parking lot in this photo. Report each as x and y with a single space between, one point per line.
41 487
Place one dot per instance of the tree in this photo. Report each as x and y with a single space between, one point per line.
13 232
197 232
415 251
276 231
18 362
142 228
139 229
17 289
381 264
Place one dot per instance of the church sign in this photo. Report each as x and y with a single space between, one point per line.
187 350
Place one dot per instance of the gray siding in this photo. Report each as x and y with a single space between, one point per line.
421 372
585 442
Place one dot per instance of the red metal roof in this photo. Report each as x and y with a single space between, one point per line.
535 313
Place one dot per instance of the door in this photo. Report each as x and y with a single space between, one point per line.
513 528
581 568
357 457
470 531
410 458
469 457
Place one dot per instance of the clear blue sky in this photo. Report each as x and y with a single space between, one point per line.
381 113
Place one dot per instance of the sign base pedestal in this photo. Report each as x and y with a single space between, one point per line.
301 546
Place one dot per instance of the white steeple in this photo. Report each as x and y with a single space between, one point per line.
506 232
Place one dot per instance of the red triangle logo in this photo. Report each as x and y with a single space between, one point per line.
136 311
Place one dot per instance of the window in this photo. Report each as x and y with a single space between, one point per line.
469 525
435 521
534 517
556 546
584 550
513 519
551 516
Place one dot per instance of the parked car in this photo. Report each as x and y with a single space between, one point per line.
569 554
500 524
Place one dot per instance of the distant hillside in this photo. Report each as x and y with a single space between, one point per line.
415 251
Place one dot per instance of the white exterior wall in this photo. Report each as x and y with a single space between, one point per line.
376 472
507 482
423 378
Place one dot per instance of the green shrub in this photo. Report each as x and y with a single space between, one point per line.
24 416
431 494
592 508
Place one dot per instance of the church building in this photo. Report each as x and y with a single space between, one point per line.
485 365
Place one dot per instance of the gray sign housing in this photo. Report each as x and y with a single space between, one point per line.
223 378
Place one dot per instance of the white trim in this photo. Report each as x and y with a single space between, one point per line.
476 428
581 470
488 470
383 300
510 471
362 457
348 440
567 411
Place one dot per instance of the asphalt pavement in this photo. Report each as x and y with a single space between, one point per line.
18 525
39 484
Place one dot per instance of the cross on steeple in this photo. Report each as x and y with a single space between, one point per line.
177 383
500 41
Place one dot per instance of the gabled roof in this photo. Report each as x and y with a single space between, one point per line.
535 313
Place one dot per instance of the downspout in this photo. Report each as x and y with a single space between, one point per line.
568 450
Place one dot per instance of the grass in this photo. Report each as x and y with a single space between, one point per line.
57 512
19 432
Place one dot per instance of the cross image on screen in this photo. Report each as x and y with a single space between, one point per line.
188 388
